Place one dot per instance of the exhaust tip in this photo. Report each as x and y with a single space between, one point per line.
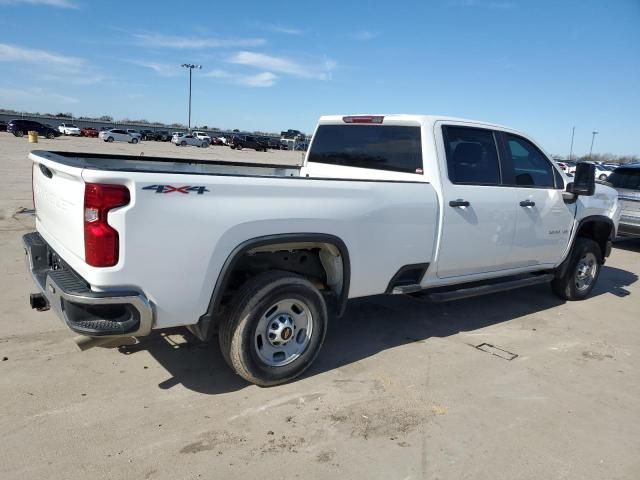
38 302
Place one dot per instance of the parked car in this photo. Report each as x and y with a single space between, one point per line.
69 129
238 142
218 141
189 139
275 144
202 136
266 255
602 172
626 180
163 136
89 132
119 135
22 127
148 135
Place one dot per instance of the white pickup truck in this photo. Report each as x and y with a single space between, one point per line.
263 255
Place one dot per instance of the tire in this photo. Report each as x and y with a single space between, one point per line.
262 303
602 177
19 133
50 136
183 144
238 147
110 139
134 140
205 144
581 274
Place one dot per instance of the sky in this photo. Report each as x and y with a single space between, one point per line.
539 66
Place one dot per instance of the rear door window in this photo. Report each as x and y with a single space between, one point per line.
383 147
472 156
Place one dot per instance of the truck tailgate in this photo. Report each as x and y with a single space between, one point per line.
58 193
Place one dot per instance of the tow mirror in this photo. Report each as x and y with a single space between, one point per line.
584 180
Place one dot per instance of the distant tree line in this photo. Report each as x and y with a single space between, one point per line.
110 119
602 157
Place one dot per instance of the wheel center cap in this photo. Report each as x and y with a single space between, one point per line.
286 333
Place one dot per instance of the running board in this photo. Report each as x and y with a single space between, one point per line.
469 292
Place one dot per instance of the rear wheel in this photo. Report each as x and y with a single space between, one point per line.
50 136
602 177
19 133
238 147
205 144
582 271
274 329
183 143
134 140
110 139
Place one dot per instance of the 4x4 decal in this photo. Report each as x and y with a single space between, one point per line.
170 189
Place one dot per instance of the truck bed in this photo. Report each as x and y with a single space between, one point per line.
131 163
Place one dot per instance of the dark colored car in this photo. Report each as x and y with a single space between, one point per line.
247 141
3 126
276 144
162 136
21 127
148 135
89 132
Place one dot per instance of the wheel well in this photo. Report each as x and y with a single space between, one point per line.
322 259
598 230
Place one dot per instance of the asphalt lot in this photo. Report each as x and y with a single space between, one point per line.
398 392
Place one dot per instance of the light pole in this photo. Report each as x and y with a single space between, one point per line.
593 137
190 66
573 131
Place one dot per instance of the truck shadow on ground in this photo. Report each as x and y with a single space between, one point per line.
370 325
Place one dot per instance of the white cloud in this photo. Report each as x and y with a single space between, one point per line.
263 79
284 65
285 30
14 53
162 69
8 95
364 35
47 3
156 40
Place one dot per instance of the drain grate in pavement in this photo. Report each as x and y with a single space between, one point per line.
498 352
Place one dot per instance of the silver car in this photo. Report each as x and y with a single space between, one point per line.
626 180
189 139
119 135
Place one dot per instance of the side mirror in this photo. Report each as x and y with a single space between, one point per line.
584 182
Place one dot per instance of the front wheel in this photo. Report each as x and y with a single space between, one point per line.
134 140
110 139
19 133
602 177
582 271
274 329
50 136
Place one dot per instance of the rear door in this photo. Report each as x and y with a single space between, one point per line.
479 213
544 220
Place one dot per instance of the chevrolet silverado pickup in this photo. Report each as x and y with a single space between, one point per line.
262 256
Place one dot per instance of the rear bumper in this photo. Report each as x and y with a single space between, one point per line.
114 313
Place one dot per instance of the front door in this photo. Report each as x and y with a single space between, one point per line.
544 221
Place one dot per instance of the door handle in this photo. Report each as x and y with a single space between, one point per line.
527 203
459 203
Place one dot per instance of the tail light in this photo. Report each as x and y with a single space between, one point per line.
363 119
101 242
